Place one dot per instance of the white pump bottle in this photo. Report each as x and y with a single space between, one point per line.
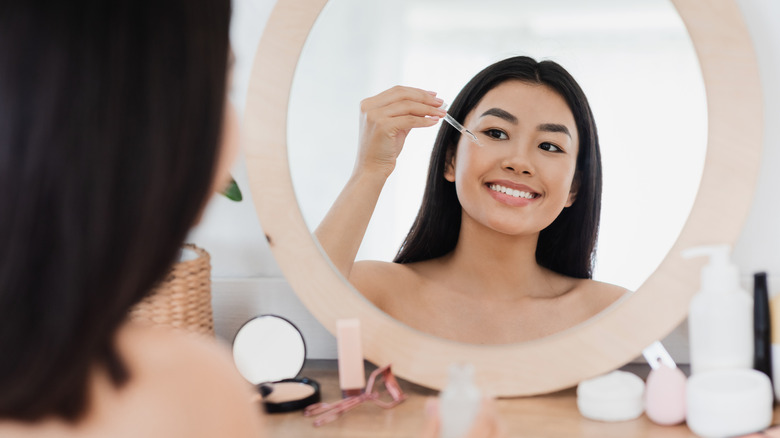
459 402
720 320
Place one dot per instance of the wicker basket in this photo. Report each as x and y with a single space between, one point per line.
183 299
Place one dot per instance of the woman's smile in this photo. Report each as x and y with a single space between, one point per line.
512 194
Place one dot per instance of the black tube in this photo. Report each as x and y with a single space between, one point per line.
762 359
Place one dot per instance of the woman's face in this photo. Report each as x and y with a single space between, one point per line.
522 176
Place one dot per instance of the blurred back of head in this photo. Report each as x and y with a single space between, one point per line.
110 121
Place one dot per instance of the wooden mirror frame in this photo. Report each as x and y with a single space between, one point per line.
607 341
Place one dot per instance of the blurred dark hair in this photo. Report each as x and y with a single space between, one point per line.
110 122
566 246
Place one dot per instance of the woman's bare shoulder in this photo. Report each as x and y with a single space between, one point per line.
378 267
379 281
179 385
600 293
153 353
188 382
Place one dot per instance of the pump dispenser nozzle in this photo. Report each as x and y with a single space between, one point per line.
720 274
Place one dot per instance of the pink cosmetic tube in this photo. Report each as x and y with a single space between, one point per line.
352 374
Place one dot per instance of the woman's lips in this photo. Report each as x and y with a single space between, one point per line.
511 193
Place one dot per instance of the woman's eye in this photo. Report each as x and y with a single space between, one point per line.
550 147
496 134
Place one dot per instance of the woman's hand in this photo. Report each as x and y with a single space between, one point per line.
386 119
486 423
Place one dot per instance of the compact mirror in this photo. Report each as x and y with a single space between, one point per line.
269 352
268 348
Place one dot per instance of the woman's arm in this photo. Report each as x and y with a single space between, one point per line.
385 121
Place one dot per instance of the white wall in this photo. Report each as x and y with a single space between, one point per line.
247 281
759 245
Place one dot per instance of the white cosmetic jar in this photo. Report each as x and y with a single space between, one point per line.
617 396
728 402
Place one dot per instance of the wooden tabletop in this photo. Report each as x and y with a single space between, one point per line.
552 415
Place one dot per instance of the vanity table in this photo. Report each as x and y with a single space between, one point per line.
550 415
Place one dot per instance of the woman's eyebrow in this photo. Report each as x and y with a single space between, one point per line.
553 127
498 112
545 127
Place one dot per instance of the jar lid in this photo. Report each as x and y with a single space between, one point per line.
616 396
729 402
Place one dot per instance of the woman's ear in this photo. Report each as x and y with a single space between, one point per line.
449 165
575 187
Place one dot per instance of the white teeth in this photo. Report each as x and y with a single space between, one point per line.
511 192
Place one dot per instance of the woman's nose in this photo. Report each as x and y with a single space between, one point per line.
518 160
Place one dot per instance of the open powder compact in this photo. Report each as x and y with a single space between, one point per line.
269 352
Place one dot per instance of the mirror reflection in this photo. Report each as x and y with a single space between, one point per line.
632 59
268 348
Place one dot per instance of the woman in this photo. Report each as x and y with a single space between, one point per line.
114 132
503 245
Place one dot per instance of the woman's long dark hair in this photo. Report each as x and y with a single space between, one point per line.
566 246
110 121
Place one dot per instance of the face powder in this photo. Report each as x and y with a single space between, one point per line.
289 394
284 392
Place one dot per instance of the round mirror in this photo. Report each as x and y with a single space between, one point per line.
268 348
601 344
357 49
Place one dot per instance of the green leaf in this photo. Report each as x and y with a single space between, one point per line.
232 191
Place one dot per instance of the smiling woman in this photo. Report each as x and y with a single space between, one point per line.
502 249
613 48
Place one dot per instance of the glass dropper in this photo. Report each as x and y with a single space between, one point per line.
449 119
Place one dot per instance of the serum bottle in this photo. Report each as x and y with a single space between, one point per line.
459 402
720 321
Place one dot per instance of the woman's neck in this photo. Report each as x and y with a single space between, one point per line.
498 264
